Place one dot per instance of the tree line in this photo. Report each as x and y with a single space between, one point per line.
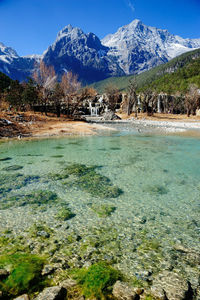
44 91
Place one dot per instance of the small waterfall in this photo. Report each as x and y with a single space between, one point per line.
94 111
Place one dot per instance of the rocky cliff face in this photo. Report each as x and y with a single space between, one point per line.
132 49
83 54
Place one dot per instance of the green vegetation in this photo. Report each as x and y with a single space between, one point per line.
9 182
97 280
65 214
36 230
104 210
92 182
176 75
5 82
38 197
5 159
25 274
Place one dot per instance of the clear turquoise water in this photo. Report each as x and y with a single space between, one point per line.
157 213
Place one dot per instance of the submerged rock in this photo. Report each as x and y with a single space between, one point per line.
52 293
169 285
122 291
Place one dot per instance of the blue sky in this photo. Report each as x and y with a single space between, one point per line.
30 26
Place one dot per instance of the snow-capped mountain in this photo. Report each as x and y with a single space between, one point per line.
81 53
14 66
138 47
132 49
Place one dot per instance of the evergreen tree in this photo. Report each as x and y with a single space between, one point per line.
30 93
14 94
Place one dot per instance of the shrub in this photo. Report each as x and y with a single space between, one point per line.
25 274
97 280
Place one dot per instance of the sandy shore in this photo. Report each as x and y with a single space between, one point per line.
66 128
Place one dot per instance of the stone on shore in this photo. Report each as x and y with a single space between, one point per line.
110 115
122 291
52 293
169 285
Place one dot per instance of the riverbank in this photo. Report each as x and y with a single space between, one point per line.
36 125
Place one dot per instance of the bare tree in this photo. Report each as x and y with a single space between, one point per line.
46 79
113 95
57 97
132 101
192 99
70 86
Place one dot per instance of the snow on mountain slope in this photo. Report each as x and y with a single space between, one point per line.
138 47
14 66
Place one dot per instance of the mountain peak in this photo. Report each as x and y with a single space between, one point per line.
135 23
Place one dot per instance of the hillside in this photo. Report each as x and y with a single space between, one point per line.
174 75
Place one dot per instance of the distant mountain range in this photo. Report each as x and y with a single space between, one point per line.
133 49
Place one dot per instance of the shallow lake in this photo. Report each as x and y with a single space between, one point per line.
144 216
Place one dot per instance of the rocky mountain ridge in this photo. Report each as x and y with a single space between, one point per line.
133 49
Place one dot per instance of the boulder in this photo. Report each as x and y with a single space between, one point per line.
68 283
169 285
110 115
52 293
22 297
122 291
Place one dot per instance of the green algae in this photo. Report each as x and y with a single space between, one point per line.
97 280
38 197
5 158
64 214
9 182
25 274
59 147
12 168
92 182
36 229
104 210
79 169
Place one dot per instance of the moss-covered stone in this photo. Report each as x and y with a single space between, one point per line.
12 168
5 158
92 182
36 230
9 182
104 210
38 197
65 214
